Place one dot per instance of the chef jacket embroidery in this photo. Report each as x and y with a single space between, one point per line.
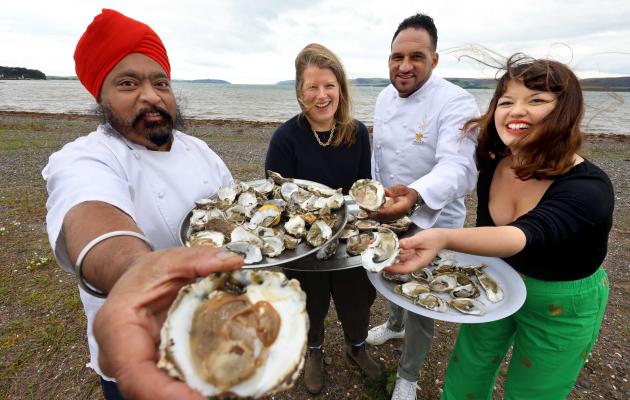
421 133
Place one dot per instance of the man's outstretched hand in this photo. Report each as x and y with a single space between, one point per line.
127 327
401 199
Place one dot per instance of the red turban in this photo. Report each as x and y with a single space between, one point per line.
107 40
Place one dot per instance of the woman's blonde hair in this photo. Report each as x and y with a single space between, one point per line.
319 56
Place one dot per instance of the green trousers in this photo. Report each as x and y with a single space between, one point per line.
552 334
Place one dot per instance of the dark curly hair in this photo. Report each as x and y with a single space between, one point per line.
419 21
547 151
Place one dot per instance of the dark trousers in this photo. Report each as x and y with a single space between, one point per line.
352 293
110 390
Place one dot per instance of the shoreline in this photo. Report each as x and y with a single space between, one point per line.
43 325
191 122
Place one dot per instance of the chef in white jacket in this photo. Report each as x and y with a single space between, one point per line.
421 155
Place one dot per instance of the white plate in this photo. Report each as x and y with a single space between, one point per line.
513 292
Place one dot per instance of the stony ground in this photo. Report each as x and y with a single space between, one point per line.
43 352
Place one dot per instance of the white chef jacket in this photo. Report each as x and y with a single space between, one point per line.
155 188
418 142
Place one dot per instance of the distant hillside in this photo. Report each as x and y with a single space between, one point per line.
203 81
621 84
20 73
471 83
286 83
61 78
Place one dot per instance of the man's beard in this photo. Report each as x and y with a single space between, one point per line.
159 133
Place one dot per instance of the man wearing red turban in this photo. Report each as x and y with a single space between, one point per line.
118 194
107 40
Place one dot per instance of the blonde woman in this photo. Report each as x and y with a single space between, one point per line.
325 144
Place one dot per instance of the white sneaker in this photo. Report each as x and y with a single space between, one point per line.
381 334
404 390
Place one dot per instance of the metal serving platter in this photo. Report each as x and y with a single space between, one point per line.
304 257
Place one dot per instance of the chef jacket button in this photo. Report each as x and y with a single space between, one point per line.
205 182
378 146
136 155
404 125
397 151
391 177
160 194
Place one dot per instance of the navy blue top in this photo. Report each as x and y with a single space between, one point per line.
294 153
567 231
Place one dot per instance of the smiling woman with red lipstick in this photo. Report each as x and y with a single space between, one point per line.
547 212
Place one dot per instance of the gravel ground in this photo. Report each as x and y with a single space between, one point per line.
43 350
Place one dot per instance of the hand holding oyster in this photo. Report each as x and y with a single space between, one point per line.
236 334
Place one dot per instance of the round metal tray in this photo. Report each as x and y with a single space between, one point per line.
304 257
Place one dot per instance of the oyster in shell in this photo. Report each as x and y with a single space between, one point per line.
296 226
422 275
412 289
206 238
492 288
382 252
318 234
431 302
396 278
240 334
347 231
358 243
468 306
466 291
443 283
251 253
368 194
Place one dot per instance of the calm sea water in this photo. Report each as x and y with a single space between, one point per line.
606 112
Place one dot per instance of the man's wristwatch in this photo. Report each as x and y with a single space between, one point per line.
418 204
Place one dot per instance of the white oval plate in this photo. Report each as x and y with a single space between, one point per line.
513 292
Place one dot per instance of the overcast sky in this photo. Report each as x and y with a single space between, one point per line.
256 41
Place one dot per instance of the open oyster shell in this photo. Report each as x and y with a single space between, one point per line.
368 194
236 334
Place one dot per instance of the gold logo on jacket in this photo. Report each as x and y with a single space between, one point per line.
420 134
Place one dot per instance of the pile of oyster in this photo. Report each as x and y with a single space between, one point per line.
236 334
444 284
266 219
376 242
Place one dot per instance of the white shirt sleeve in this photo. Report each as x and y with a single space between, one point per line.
455 172
81 171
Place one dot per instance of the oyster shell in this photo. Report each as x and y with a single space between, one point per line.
277 178
347 231
240 334
422 275
273 246
492 288
358 243
466 291
296 226
396 278
368 194
382 252
412 289
468 306
318 234
206 238
431 302
400 225
250 252
443 283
